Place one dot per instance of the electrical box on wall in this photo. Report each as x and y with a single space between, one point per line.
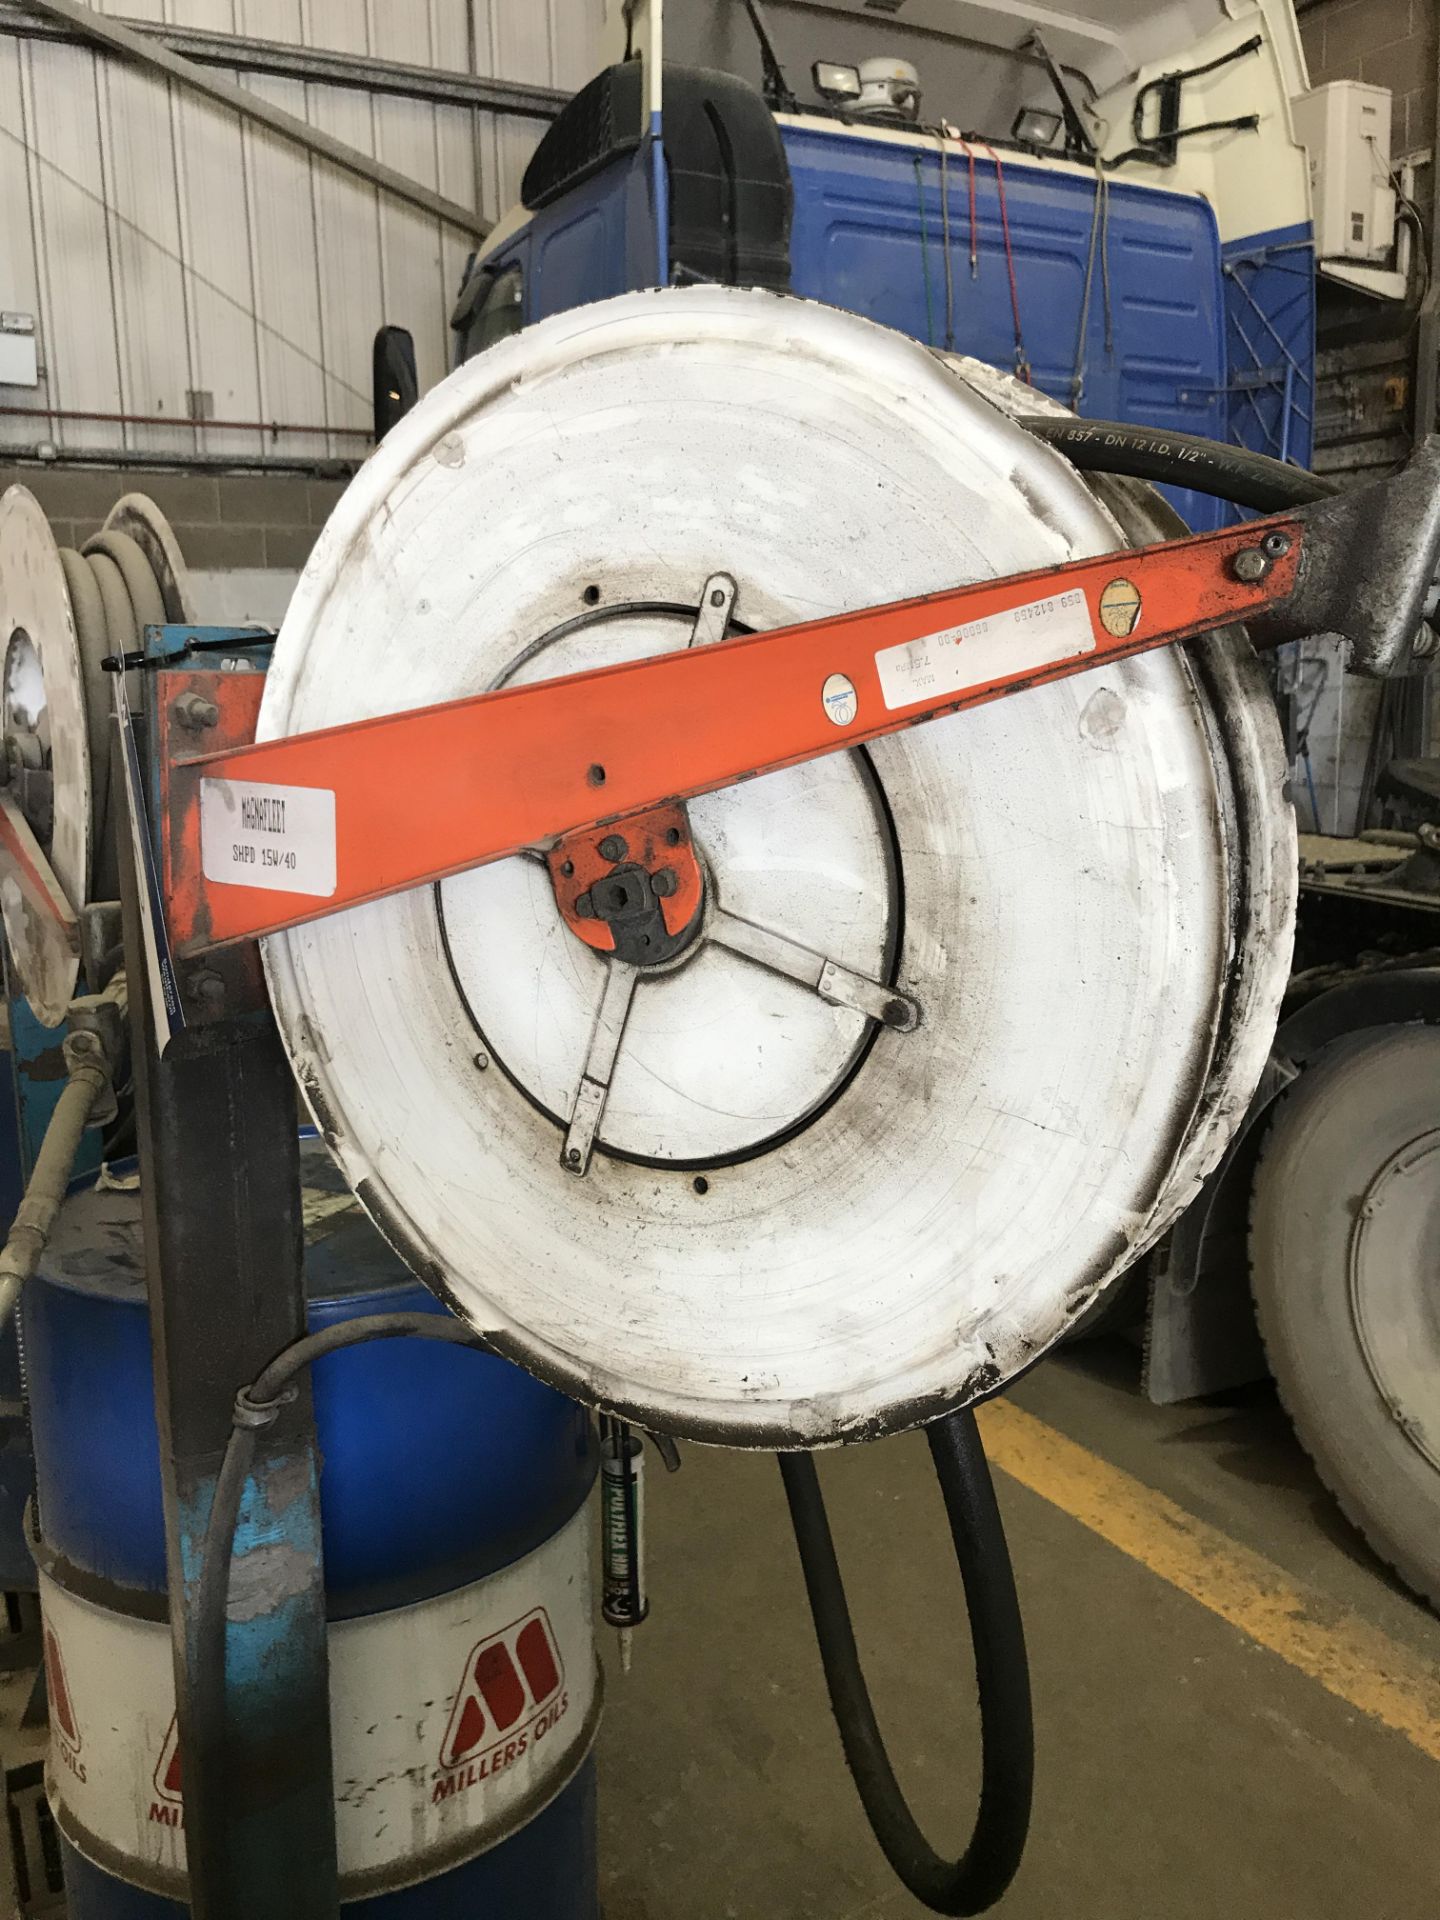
1345 129
18 364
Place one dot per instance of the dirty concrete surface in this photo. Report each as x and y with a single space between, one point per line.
1182 1770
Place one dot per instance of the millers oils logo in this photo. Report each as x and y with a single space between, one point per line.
168 1810
510 1698
66 1728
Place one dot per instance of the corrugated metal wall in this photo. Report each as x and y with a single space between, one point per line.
179 261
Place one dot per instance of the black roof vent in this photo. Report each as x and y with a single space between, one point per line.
601 122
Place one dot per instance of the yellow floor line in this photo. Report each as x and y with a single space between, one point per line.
1350 1658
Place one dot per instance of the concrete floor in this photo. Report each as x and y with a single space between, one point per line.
1183 1771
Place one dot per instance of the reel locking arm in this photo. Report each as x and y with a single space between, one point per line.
537 765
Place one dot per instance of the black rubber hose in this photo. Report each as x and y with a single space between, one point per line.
257 1406
1002 1677
1251 480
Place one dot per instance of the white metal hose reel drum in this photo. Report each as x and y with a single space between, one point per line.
61 613
797 1222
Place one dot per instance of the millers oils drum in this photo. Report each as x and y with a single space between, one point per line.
463 1677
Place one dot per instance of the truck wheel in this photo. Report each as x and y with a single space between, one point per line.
1345 1266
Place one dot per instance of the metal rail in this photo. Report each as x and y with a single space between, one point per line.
249 54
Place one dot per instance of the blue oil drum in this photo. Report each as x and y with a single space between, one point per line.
17 1464
464 1685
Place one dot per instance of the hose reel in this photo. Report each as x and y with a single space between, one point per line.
761 1242
61 613
795 1223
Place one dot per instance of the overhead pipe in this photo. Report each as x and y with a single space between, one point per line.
273 427
318 466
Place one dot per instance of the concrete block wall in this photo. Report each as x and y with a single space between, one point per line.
224 522
1390 43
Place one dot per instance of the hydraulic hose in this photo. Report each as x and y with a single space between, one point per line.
90 1068
258 1406
977 1879
1251 480
55 1162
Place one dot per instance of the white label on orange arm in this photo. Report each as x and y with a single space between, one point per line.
253 834
1039 634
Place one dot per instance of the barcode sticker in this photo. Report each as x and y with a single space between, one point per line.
1016 641
256 835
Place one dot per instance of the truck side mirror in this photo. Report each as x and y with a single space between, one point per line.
396 383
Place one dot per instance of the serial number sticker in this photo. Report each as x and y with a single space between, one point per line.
256 835
1016 641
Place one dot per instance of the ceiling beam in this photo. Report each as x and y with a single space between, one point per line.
326 66
150 54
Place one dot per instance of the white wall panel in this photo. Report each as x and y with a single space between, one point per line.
412 288
19 262
284 266
514 144
347 231
576 27
522 41
342 25
214 201
168 251
271 19
465 159
449 31
137 150
217 16
346 265
78 337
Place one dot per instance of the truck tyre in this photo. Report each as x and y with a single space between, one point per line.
1345 1266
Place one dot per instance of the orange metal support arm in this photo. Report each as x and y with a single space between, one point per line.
327 820
25 860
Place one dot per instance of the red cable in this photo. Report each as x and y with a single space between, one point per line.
974 243
1022 364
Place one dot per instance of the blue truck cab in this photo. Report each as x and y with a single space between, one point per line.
1114 282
